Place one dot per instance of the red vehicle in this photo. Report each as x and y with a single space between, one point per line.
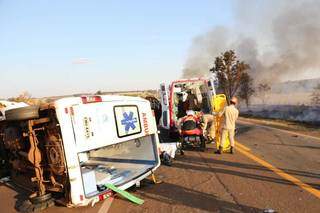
175 96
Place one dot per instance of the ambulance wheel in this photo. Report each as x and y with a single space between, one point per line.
40 199
23 113
27 206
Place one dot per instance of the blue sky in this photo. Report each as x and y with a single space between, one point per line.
70 46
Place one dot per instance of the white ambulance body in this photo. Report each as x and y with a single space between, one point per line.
113 139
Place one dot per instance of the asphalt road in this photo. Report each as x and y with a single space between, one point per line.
207 182
276 170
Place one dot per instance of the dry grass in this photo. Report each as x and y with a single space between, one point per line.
292 98
27 98
141 94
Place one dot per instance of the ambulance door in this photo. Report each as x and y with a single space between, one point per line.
211 87
93 125
165 118
211 92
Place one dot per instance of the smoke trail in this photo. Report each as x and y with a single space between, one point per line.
279 39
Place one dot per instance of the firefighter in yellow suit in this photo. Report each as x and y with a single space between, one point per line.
224 122
230 115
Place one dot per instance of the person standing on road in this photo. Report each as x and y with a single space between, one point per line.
231 114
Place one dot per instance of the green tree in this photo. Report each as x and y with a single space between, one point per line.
231 73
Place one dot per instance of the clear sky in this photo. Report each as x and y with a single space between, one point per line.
55 47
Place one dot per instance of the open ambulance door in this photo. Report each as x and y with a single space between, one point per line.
211 91
165 118
211 87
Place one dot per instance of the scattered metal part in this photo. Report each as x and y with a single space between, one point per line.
269 211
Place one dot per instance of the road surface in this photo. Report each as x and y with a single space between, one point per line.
271 169
206 182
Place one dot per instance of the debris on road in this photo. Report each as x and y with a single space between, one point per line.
125 194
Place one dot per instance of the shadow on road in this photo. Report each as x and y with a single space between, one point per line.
184 163
194 199
243 129
197 160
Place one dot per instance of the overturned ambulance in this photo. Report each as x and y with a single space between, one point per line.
69 150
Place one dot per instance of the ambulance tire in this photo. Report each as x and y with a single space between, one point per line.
23 113
28 207
40 199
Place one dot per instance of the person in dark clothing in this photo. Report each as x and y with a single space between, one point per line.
181 111
192 102
156 107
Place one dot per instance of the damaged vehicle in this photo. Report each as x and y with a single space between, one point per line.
182 95
66 151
